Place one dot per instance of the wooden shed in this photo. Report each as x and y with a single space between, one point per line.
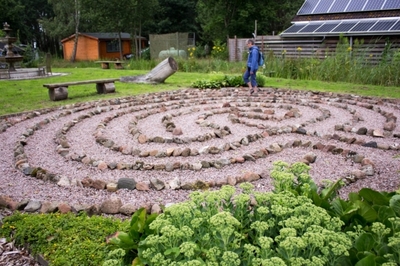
96 46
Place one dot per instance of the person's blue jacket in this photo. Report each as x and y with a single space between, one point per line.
252 60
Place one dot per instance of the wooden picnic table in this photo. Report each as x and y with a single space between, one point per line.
106 64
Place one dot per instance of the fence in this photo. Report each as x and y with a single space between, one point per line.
373 47
171 44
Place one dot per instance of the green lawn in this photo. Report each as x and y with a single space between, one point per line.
25 95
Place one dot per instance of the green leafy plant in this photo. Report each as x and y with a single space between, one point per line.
224 228
63 239
128 242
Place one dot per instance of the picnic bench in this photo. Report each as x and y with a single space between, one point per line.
106 64
59 91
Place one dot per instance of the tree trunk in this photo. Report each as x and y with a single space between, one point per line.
157 75
121 52
77 18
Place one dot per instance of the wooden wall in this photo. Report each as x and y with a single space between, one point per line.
92 49
86 50
371 47
103 54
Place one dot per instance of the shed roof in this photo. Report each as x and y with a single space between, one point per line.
346 17
103 36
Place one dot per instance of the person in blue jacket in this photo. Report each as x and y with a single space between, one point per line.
252 67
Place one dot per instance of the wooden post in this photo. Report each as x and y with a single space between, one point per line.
57 94
157 75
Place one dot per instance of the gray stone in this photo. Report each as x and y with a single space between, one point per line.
157 183
174 183
362 131
128 209
111 206
64 182
310 157
33 205
126 183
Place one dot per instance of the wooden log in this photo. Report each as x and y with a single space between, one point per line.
57 94
105 87
157 75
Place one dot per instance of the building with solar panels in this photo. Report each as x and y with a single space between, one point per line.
372 25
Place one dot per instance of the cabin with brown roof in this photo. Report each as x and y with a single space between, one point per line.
97 46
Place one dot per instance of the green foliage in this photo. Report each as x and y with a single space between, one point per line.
343 64
219 51
226 81
138 231
224 228
63 239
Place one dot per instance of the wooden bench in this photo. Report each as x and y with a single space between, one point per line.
59 91
106 64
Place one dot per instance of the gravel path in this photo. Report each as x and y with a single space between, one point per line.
187 108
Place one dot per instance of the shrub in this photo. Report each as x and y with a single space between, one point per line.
63 239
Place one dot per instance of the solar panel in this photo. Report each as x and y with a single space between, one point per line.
363 25
322 7
383 25
391 4
374 5
294 28
327 27
308 7
339 6
344 26
356 5
396 26
311 27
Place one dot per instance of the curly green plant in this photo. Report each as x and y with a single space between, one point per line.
63 239
224 228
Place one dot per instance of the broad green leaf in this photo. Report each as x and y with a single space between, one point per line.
138 220
384 212
382 249
395 204
353 197
126 241
137 262
339 206
172 251
366 211
365 242
374 197
367 261
332 190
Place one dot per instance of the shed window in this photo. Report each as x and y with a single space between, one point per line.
112 46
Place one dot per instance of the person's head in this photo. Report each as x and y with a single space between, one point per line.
250 43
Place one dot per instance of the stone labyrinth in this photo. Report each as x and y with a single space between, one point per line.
151 150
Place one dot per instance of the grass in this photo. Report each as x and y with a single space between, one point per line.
27 95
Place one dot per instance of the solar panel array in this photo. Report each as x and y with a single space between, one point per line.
339 6
345 26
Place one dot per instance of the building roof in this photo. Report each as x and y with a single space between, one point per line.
102 36
346 17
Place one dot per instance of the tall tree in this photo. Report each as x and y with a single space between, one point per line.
222 18
215 17
23 17
65 22
144 12
174 16
112 17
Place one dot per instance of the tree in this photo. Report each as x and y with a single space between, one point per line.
223 18
215 17
174 16
65 22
